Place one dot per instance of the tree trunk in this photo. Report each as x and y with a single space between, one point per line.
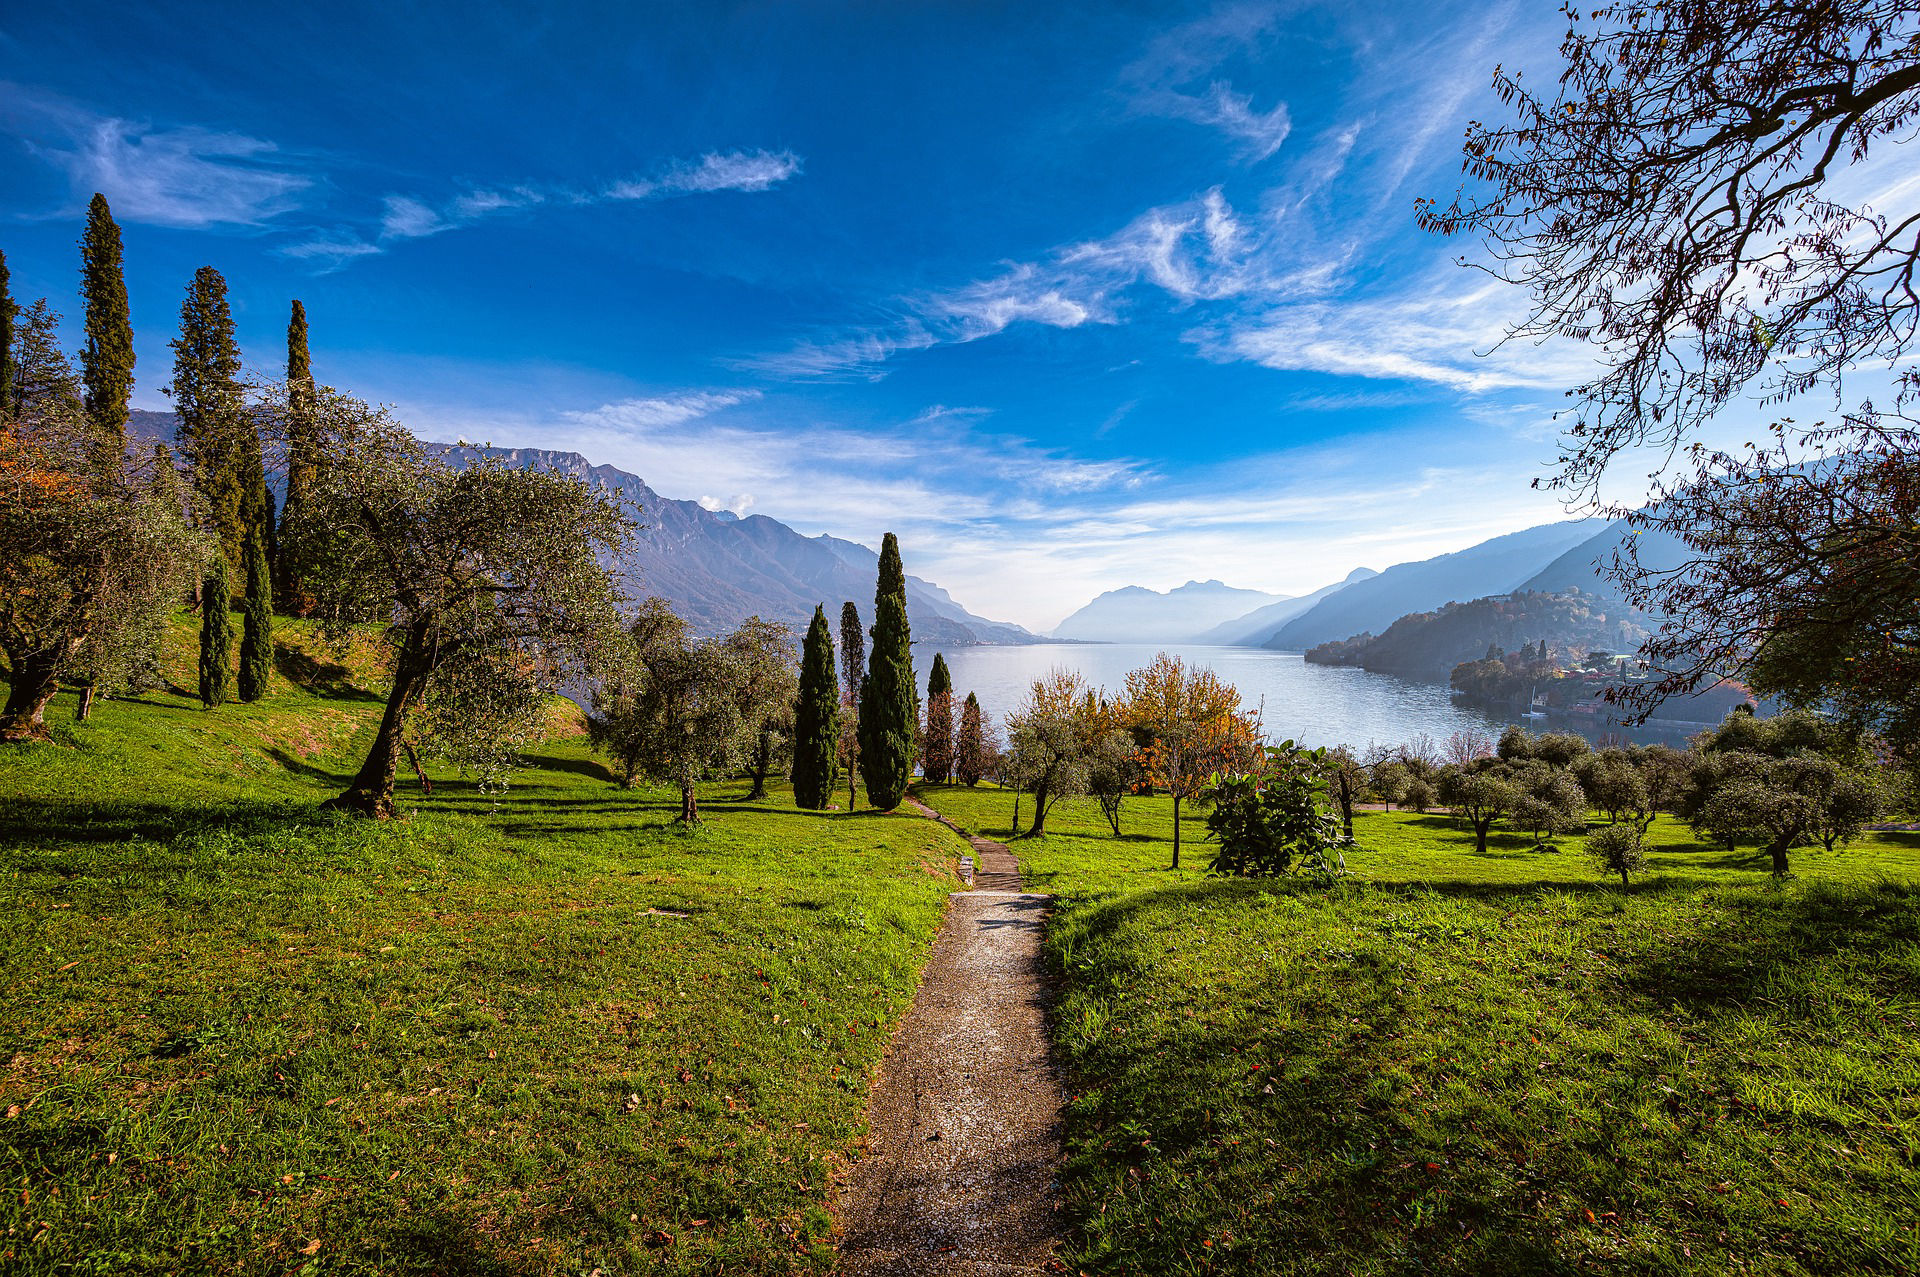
83 710
371 793
1346 808
33 685
762 762
689 806
1623 879
419 772
853 774
1778 850
1480 828
1176 830
1016 812
1039 825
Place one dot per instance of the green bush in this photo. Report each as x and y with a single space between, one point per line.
1270 822
1618 849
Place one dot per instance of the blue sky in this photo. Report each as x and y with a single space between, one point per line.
1070 295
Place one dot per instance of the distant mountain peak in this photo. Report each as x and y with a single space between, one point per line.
1135 613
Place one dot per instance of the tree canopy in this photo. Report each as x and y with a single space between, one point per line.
1709 198
486 568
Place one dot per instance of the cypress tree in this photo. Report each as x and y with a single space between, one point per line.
106 363
853 666
936 738
970 758
303 454
8 375
816 718
887 711
256 636
216 633
853 652
214 427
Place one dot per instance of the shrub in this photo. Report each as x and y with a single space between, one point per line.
1620 849
1266 823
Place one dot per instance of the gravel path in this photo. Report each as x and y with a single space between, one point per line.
960 1171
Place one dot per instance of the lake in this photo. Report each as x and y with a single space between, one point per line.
1311 704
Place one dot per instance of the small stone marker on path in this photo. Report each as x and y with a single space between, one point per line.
961 1170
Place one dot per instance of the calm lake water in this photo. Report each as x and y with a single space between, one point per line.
1312 704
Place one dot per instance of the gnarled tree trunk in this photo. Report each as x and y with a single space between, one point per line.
762 763
371 793
35 680
689 806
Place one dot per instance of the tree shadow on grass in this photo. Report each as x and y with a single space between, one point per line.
38 822
1353 1154
320 677
301 767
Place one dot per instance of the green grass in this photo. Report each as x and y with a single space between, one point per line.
1491 1063
534 1035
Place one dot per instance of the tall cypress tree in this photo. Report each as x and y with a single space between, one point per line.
887 711
214 426
106 363
816 718
303 454
936 737
216 633
853 652
256 636
9 391
853 670
970 755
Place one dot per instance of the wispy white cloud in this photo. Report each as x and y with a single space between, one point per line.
180 176
1259 133
660 410
1446 333
406 217
715 171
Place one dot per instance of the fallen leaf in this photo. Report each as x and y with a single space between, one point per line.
658 1238
311 1248
71 965
393 1177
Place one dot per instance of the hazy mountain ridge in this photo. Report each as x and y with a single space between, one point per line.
717 568
1496 566
1249 630
1136 614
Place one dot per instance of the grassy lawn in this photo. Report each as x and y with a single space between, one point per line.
541 1034
1483 1064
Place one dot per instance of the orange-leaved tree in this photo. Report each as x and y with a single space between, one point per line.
1191 726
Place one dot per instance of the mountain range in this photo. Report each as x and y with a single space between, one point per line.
1492 567
716 568
1254 628
1135 614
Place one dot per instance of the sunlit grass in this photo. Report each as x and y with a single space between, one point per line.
1495 1063
535 1034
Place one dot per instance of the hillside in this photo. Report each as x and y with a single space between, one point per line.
1580 567
718 569
1492 567
1249 630
1427 645
1135 614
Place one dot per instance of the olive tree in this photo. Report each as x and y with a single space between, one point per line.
472 573
94 549
682 709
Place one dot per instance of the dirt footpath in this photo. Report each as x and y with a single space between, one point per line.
960 1175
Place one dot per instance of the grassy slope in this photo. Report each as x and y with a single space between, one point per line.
244 1038
1483 1064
